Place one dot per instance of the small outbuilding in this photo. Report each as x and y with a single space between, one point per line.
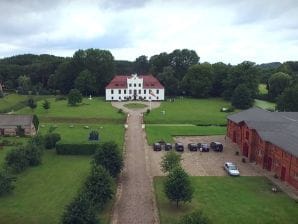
9 124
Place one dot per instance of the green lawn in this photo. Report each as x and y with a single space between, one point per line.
78 133
264 104
189 111
42 192
89 111
262 89
230 200
158 132
135 105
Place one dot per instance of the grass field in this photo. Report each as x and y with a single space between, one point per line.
135 105
159 132
262 89
224 200
189 111
78 133
264 104
42 192
89 111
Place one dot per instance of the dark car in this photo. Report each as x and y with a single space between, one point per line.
168 146
179 147
156 146
216 146
203 147
192 147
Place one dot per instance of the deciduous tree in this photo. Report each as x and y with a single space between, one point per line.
242 98
169 161
74 97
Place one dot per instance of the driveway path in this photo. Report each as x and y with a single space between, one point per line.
135 201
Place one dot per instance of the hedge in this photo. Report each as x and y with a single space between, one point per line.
76 149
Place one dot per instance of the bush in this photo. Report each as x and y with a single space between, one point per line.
120 111
98 186
35 122
60 97
16 160
76 149
74 97
79 211
6 182
196 217
37 140
148 111
109 156
51 139
34 154
93 136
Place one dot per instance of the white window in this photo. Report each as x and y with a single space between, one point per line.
157 91
144 91
139 84
119 91
112 91
129 84
125 91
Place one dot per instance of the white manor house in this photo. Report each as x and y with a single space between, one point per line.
134 87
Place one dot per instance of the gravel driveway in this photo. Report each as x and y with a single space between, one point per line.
135 201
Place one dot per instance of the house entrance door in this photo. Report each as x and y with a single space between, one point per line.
135 94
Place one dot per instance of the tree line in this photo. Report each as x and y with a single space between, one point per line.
180 72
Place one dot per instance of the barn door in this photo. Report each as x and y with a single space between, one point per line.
269 164
245 150
234 137
283 174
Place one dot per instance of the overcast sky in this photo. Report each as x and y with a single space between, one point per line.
218 30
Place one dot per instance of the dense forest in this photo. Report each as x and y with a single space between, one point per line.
180 72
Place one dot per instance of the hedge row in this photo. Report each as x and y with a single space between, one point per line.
76 149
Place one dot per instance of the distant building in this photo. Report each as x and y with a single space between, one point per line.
268 138
145 87
9 124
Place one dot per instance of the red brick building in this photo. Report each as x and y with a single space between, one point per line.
268 138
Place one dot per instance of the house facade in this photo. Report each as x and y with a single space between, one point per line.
135 87
270 139
10 123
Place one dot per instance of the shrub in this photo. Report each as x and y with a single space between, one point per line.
74 97
93 136
34 154
148 111
6 182
16 160
76 149
35 122
79 211
120 111
51 139
98 186
196 217
169 161
37 140
109 156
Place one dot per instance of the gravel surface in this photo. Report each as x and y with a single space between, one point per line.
135 202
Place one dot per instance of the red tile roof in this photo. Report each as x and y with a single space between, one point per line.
120 82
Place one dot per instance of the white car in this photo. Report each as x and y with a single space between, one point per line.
231 169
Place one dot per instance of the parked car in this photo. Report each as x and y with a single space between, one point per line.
231 169
156 146
216 146
179 147
192 147
168 146
203 147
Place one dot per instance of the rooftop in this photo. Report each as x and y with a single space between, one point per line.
278 128
9 120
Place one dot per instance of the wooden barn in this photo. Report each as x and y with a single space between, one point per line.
268 138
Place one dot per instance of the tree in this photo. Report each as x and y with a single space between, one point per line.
46 105
169 161
6 182
33 154
98 186
287 101
141 65
277 83
31 103
196 217
167 78
74 97
181 60
158 63
178 186
109 156
198 80
86 82
245 73
79 211
24 83
220 73
242 98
